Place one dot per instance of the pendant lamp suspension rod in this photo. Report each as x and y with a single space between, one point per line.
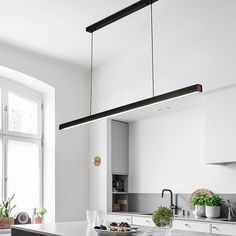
91 77
152 53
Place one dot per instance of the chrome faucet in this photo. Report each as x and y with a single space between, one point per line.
230 211
172 206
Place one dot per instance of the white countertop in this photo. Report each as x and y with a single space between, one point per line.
79 229
178 217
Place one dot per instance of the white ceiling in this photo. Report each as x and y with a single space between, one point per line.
54 27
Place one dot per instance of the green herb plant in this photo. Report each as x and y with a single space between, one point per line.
199 199
162 217
41 213
214 200
6 207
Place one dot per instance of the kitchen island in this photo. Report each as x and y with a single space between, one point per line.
73 229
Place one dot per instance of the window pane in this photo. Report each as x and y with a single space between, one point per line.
22 115
23 171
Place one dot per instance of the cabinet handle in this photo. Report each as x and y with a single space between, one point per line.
215 228
187 225
127 219
147 221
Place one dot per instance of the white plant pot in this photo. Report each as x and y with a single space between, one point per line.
199 211
212 211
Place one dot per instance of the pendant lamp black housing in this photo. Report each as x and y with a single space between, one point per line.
132 106
197 88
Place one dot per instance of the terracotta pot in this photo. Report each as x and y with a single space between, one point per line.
38 220
6 222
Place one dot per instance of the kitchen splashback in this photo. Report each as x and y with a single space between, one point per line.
147 202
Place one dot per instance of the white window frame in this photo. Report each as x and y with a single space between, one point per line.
27 93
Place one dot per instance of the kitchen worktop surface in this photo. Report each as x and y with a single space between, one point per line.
178 217
78 229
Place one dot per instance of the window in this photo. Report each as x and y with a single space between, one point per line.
20 146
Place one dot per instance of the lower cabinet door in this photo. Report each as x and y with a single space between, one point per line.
145 221
191 226
119 218
227 229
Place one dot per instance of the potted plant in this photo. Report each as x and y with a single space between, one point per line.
199 201
162 217
213 205
5 211
40 216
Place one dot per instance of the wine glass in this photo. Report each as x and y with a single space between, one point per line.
91 217
101 216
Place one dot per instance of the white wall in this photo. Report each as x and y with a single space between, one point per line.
98 143
71 101
168 152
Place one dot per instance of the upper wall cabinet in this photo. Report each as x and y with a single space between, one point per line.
220 126
119 147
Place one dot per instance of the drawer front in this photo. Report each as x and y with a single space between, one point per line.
145 221
191 226
226 229
119 218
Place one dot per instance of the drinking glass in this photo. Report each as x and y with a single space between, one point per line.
101 217
91 217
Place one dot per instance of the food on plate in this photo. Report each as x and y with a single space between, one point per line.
122 227
114 227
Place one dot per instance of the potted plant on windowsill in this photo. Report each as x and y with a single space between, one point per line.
198 202
5 211
40 216
213 206
162 217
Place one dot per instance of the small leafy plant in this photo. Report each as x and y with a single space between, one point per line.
6 207
162 217
214 200
199 199
41 213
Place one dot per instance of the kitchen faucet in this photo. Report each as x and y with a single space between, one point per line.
172 206
230 211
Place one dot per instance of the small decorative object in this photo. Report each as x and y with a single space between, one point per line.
116 207
22 218
162 217
201 191
198 201
5 210
40 216
97 161
213 205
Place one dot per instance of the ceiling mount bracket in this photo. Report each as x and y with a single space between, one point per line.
119 15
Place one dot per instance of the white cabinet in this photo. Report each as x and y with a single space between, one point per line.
141 220
226 229
119 147
220 128
191 226
119 218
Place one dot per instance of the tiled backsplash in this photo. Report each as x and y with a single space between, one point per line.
147 202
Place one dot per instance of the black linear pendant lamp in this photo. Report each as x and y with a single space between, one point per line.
135 105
